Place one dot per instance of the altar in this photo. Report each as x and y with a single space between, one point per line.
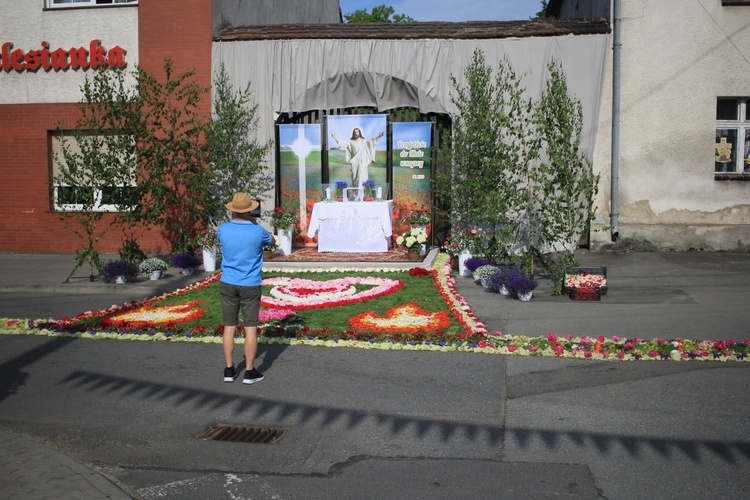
353 226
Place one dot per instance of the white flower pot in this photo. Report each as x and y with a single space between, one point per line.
155 275
187 271
504 290
209 259
121 280
462 258
525 297
285 241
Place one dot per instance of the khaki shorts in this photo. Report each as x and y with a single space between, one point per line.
235 298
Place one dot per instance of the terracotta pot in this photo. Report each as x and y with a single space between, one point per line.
414 256
267 254
454 263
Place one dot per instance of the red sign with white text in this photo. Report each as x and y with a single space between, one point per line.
60 59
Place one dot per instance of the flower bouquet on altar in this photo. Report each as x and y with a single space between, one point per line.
340 186
369 187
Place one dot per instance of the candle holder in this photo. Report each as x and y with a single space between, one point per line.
381 192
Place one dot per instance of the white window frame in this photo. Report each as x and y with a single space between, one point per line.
68 4
740 164
98 206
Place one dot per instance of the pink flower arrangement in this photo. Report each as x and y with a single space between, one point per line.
309 294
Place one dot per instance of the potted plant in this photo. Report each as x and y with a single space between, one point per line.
154 267
412 240
522 285
283 221
483 273
451 248
119 271
186 261
418 218
498 281
208 240
474 263
469 242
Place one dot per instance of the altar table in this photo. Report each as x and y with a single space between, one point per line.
353 226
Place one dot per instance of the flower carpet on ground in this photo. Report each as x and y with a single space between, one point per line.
418 309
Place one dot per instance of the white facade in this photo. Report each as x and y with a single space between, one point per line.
678 57
63 29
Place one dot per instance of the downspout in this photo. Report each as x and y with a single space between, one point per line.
615 169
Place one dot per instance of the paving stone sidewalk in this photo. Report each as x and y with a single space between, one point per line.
32 471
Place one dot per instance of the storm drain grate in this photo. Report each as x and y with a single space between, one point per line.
243 433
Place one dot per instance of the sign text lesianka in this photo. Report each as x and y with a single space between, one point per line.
60 59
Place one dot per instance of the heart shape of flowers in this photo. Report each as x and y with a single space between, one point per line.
147 315
404 318
298 293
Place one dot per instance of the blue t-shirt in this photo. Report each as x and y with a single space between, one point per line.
242 252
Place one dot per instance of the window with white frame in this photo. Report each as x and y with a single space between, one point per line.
732 147
111 190
53 4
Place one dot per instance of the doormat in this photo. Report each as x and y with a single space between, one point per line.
311 254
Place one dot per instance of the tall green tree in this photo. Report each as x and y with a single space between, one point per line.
95 166
490 154
379 14
565 185
517 169
173 154
237 161
542 14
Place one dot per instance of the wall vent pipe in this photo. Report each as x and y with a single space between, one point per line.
615 168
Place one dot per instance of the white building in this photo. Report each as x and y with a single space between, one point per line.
682 181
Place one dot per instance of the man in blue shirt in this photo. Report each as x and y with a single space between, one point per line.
241 240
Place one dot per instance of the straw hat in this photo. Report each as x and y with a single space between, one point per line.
242 203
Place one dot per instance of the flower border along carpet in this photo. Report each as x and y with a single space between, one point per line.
405 325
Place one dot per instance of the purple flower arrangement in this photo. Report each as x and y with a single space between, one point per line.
185 260
473 263
115 268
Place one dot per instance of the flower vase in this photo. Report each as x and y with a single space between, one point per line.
155 275
525 297
462 258
209 259
413 256
285 241
423 248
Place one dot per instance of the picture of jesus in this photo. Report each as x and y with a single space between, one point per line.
360 153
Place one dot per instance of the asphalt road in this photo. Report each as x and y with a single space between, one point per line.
412 424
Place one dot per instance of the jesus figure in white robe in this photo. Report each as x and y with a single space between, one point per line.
360 152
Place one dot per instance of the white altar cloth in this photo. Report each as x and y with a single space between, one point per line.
354 226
